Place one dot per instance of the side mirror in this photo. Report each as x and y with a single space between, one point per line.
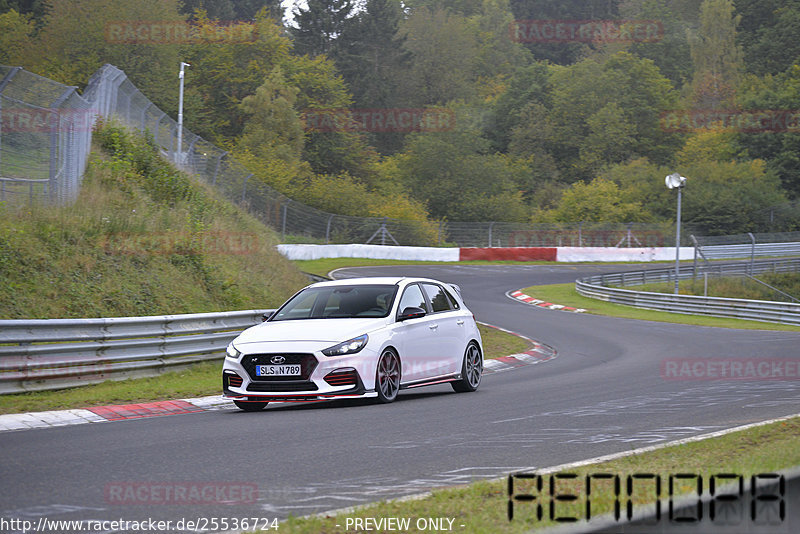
265 317
411 312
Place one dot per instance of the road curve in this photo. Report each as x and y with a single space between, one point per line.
604 393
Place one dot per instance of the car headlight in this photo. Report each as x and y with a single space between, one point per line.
232 353
351 346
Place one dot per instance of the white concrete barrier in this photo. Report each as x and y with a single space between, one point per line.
377 252
580 254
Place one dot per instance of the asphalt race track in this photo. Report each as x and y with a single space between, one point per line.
604 393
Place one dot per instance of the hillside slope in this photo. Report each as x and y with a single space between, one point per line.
142 239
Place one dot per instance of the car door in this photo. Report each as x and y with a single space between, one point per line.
450 329
416 339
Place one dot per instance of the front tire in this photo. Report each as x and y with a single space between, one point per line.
249 406
471 370
387 376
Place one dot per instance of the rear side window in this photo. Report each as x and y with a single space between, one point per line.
439 300
453 302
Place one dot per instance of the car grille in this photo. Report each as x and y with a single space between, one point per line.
296 385
307 364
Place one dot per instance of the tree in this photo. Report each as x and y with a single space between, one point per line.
223 74
610 139
720 197
443 47
716 56
322 90
563 53
458 179
598 201
15 37
36 9
642 181
602 110
709 145
273 129
670 53
372 54
728 197
768 34
528 86
319 25
75 41
229 10
466 8
780 147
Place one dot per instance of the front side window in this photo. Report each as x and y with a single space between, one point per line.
412 298
338 302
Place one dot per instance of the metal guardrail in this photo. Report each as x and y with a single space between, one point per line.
43 354
715 252
757 310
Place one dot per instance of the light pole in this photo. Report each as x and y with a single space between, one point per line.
676 181
179 156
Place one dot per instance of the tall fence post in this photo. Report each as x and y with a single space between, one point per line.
752 251
3 83
283 225
491 225
54 186
328 231
244 187
216 169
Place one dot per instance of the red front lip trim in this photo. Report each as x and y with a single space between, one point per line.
293 398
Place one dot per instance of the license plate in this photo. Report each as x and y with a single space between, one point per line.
277 370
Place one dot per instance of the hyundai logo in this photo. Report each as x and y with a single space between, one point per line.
277 360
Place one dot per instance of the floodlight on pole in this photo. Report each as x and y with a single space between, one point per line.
676 181
179 155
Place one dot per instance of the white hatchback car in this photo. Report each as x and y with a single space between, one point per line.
363 337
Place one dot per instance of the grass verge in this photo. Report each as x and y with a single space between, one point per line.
566 295
738 287
196 381
482 507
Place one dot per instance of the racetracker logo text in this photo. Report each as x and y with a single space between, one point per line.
730 369
151 32
733 120
403 120
167 493
586 31
45 120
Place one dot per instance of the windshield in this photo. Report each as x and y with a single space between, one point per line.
339 302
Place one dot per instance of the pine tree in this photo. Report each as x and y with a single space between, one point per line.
716 56
371 54
319 26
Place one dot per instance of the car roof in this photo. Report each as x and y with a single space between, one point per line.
374 280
